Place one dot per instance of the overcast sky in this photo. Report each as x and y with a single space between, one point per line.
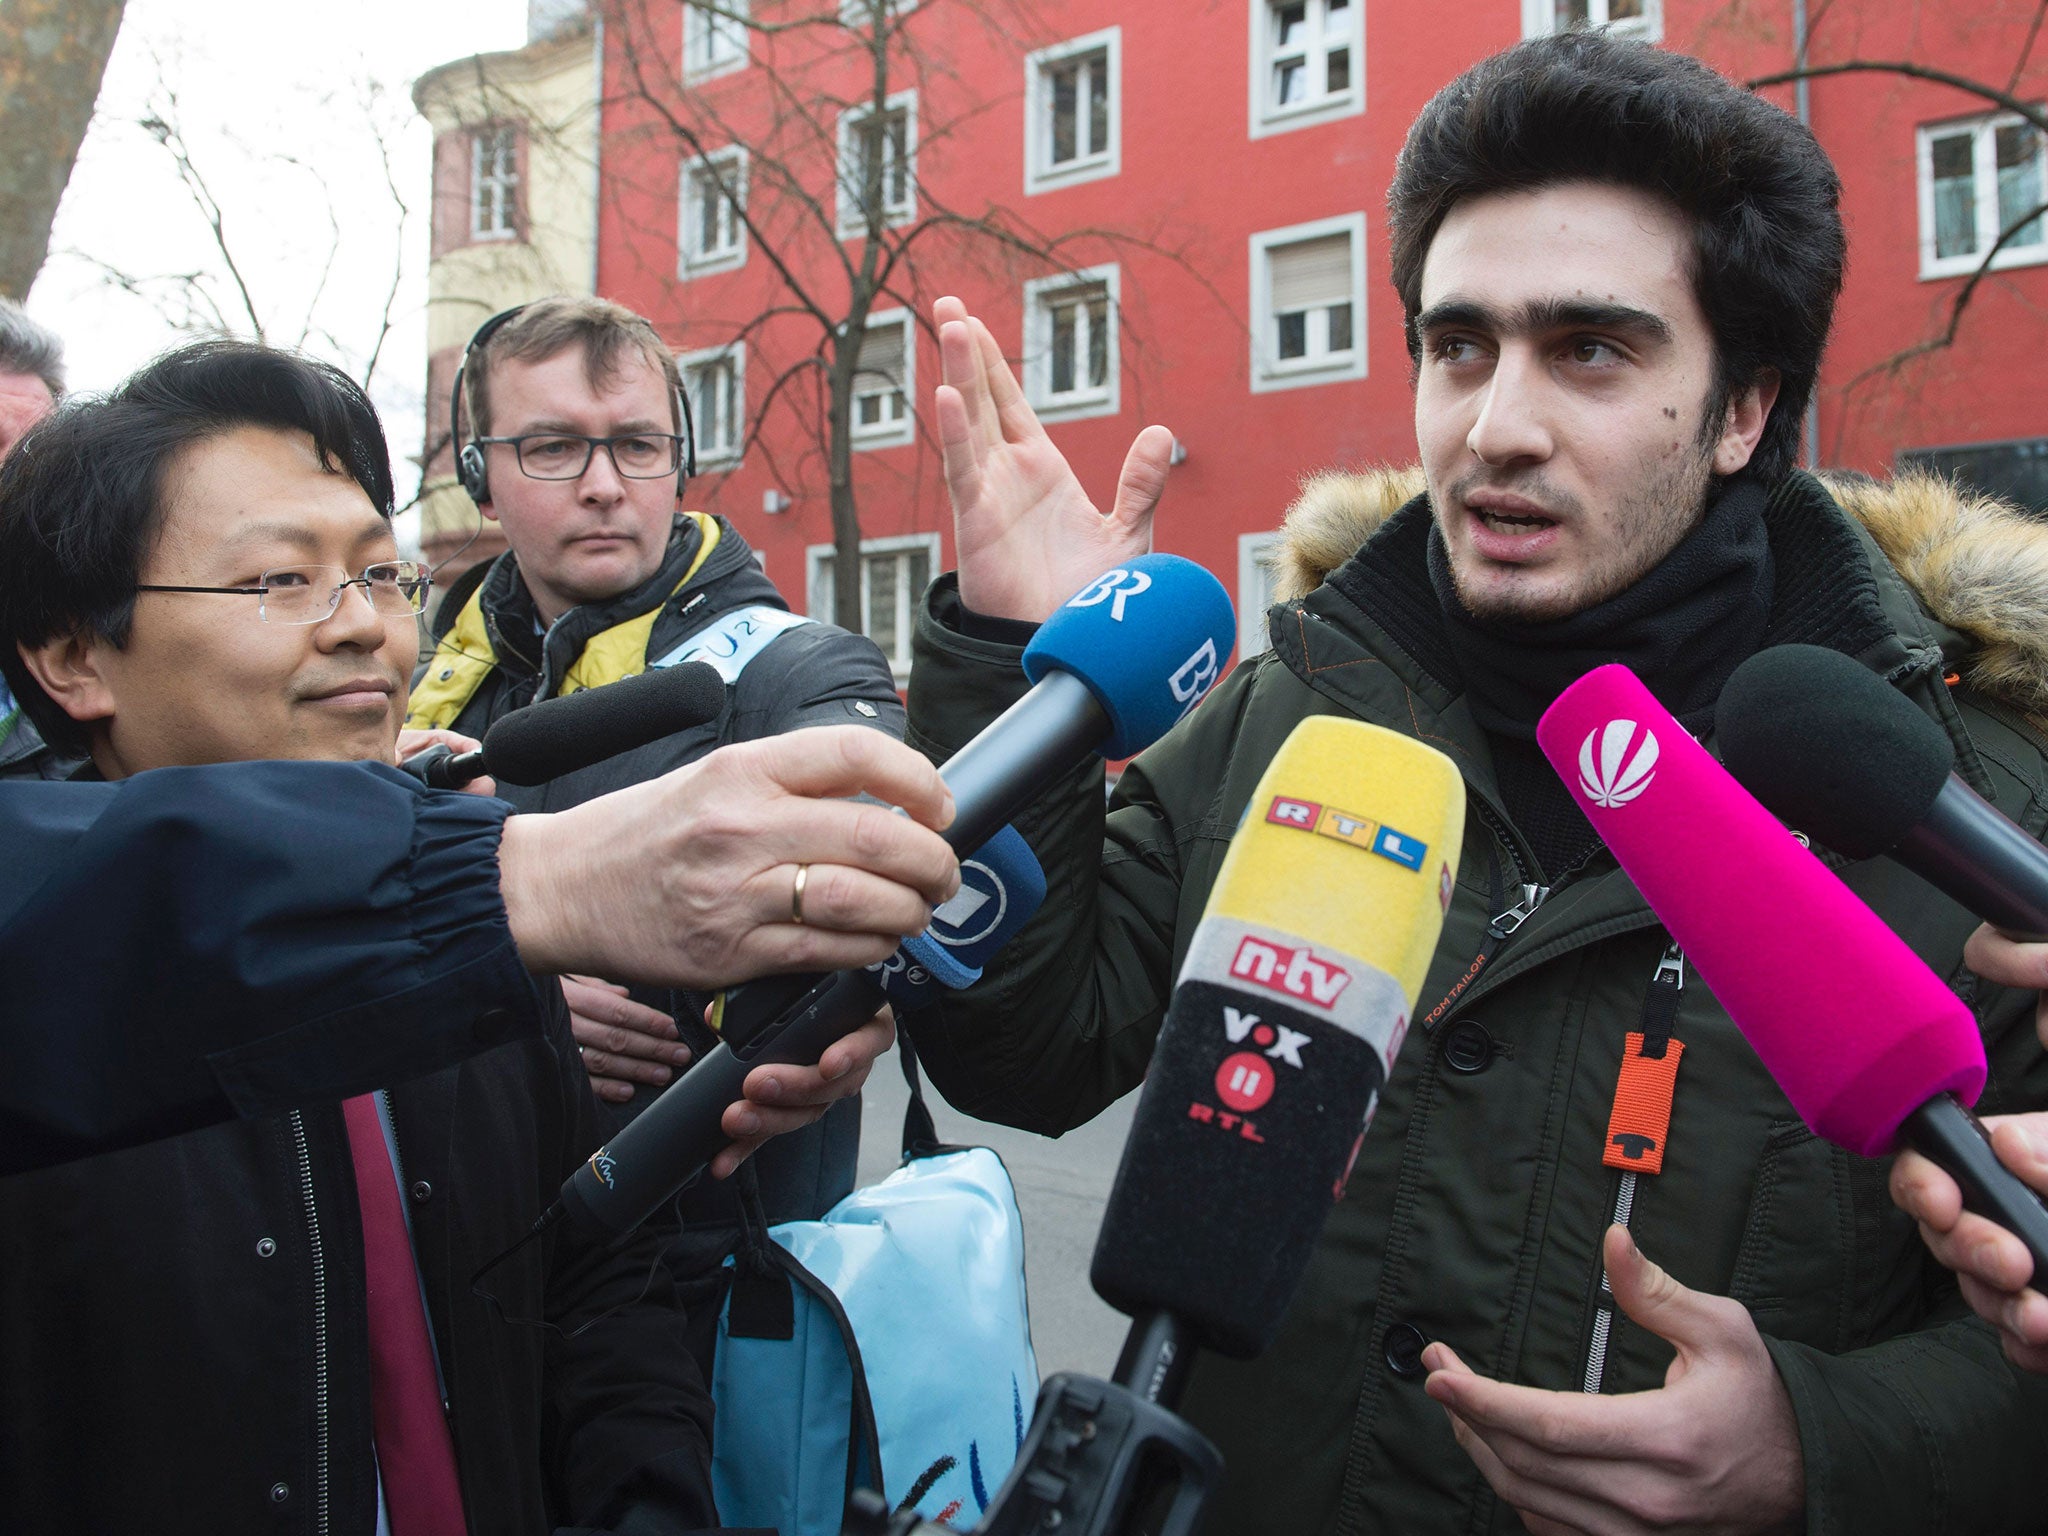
281 103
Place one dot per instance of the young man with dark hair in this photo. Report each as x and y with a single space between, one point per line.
572 410
1617 271
338 1318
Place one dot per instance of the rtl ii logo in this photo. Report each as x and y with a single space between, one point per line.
1246 1079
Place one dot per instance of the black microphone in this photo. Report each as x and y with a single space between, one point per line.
556 736
1113 669
1841 755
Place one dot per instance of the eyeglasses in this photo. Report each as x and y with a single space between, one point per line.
307 594
566 455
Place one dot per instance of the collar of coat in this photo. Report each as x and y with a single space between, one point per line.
613 636
1976 567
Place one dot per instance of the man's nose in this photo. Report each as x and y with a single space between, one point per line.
355 621
601 481
1511 424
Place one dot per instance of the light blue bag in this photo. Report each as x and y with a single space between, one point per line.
894 1328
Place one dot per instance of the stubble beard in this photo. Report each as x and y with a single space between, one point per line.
1651 522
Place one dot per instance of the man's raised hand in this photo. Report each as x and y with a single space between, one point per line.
1027 534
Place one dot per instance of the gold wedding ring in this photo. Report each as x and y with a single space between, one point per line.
796 894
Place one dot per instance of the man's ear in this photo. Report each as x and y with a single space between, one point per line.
1744 424
68 668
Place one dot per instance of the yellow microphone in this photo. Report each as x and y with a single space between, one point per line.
1284 1024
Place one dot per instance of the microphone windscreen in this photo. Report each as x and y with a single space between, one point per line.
1832 747
1148 638
558 736
1284 1024
1856 1030
1001 887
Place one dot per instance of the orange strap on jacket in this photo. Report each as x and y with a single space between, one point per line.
1640 1122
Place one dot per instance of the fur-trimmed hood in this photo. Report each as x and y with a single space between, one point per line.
1978 565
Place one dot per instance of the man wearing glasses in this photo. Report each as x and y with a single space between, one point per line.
323 1320
574 436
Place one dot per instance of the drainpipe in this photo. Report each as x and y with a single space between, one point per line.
597 136
1802 107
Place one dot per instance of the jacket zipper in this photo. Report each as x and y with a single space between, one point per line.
1670 971
305 1157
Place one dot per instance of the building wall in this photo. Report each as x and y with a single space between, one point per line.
1199 177
546 93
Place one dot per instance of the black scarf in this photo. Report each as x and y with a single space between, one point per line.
1683 628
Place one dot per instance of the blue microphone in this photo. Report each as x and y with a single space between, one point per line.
626 1180
1112 671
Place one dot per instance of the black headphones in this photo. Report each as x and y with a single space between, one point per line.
471 470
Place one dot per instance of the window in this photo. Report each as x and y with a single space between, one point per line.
861 12
713 237
714 38
1979 179
1624 18
1308 303
1072 111
1255 555
1070 344
716 381
494 183
2015 470
883 144
1308 63
884 382
894 573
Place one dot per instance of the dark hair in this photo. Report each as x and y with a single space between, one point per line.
1759 191
82 494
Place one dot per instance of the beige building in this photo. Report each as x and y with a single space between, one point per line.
516 157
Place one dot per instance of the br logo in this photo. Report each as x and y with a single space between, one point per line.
1195 677
1116 588
1615 775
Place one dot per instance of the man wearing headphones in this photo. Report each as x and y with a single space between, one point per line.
575 437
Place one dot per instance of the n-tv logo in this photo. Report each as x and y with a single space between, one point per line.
1296 972
1615 764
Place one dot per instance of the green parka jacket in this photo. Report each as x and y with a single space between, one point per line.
1476 1209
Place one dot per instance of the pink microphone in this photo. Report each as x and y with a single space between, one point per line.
1864 1039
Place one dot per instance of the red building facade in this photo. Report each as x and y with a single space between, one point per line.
1211 176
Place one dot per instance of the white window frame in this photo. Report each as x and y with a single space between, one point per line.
1266 118
700 24
1254 590
1269 371
1039 296
848 212
690 364
892 434
818 591
1040 174
1984 165
730 164
1539 19
504 180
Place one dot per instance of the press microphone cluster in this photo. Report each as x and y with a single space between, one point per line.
1868 1044
1111 671
556 736
1291 1005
